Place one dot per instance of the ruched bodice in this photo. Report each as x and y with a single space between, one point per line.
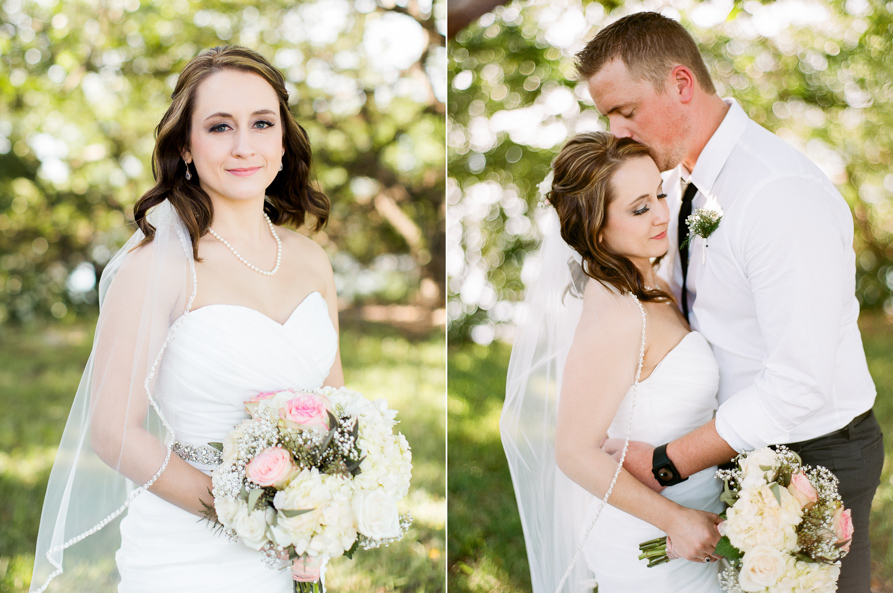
678 396
222 355
217 357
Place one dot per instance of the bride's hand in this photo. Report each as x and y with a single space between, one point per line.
694 535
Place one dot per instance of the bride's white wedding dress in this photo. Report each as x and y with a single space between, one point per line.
678 396
220 356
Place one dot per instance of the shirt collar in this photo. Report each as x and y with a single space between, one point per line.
718 149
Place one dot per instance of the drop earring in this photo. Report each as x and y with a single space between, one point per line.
188 174
280 166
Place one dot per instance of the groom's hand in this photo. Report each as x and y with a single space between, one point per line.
638 460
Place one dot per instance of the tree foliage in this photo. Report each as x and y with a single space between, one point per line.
83 85
816 73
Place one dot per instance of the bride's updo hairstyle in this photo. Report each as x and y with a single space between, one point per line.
290 197
581 192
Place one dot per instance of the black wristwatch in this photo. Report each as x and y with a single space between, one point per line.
663 469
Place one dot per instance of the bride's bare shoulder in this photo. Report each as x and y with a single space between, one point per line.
609 311
305 248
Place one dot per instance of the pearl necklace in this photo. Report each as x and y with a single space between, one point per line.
243 260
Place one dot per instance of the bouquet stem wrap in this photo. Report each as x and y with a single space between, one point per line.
306 574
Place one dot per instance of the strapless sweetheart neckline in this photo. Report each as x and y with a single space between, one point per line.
667 355
256 312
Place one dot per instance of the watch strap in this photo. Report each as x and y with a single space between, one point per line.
663 469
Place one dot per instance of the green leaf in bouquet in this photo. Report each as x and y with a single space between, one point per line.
767 468
816 521
728 495
243 493
354 466
776 490
353 549
253 497
784 479
326 441
725 549
333 422
216 445
294 513
355 431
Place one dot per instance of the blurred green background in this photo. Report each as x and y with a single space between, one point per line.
83 85
819 74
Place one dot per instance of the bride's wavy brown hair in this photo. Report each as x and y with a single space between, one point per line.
290 197
581 192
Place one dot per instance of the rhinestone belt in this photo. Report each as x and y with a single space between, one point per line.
204 454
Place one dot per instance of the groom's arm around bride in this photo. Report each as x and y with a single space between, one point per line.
775 292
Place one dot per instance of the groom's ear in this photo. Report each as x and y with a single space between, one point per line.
683 82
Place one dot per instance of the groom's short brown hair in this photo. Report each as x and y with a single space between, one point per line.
650 45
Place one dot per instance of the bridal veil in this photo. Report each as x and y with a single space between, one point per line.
552 507
117 438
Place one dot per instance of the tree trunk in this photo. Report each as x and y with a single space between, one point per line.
461 13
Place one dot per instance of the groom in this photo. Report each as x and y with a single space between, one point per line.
773 293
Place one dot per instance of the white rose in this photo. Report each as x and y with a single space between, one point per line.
251 527
761 568
228 508
376 514
753 467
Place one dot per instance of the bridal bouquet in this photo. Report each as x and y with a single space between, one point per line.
786 528
312 475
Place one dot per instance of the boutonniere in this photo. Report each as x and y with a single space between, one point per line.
702 222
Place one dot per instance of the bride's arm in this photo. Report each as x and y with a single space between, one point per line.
600 368
129 334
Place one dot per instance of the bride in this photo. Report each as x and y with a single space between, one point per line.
208 304
605 353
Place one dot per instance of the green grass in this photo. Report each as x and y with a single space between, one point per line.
485 545
486 549
39 372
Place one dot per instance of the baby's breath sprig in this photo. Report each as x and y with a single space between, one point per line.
702 222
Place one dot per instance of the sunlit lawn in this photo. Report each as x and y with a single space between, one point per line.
40 369
486 545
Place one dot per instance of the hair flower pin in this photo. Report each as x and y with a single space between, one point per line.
702 222
543 189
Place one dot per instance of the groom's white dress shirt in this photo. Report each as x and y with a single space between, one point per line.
774 292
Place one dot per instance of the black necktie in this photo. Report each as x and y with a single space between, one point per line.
682 231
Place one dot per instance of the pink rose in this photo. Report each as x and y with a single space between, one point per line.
843 525
306 410
306 569
252 404
801 489
273 467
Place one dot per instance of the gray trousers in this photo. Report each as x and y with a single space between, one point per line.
856 456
